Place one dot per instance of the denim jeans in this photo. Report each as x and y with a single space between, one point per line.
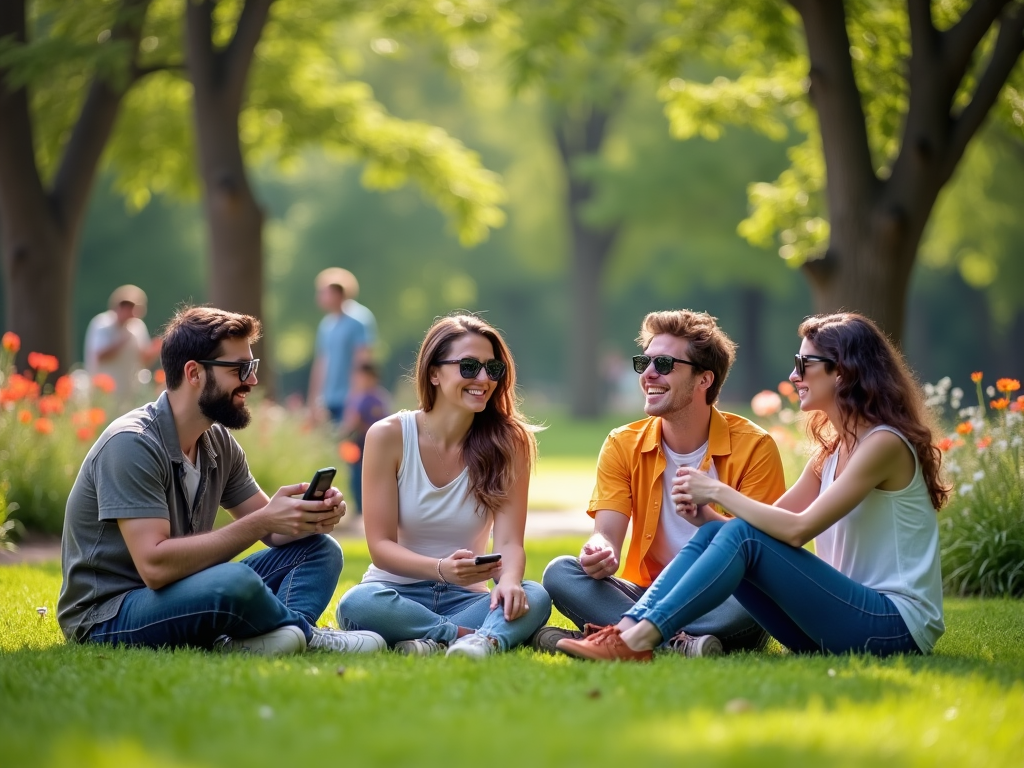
433 610
584 600
272 588
803 602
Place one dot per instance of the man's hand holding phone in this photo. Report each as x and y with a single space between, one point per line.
462 568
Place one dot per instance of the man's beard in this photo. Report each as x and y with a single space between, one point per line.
217 406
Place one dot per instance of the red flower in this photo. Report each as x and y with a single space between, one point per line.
104 383
976 376
349 452
19 387
63 388
1017 405
25 417
985 442
44 426
945 444
11 342
85 434
51 405
43 363
159 376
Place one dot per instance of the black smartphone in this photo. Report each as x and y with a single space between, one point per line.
320 484
494 557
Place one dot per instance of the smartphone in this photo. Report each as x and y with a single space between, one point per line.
320 484
494 557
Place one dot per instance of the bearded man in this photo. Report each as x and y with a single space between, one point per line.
142 563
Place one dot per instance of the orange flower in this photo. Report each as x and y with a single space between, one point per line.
976 376
97 416
11 342
945 444
159 376
786 388
51 405
964 428
43 363
63 388
1000 404
85 434
1007 385
25 417
765 403
20 387
44 426
985 442
104 383
349 452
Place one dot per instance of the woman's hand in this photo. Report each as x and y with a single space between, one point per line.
512 596
691 489
459 568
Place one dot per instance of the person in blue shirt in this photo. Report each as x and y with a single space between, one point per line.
341 345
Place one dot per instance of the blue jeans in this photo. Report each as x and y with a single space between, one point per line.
803 602
356 484
584 600
275 587
433 610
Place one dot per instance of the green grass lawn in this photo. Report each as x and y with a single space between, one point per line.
85 706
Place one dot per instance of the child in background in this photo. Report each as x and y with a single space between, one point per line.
368 403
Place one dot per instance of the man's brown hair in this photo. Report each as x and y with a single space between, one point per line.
710 348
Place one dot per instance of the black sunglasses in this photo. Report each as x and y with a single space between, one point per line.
802 361
246 368
663 364
469 367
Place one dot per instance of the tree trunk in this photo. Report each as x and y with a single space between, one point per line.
234 217
578 138
752 302
41 227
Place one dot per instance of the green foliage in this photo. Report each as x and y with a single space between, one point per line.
96 706
982 526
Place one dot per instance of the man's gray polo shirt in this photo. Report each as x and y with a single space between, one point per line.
135 470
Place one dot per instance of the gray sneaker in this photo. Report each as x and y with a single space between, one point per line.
472 647
692 646
276 642
419 647
356 641
545 638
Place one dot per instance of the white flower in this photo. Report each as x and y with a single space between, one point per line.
964 489
980 474
1001 445
978 424
990 391
954 403
1017 441
944 382
787 416
952 467
956 393
929 389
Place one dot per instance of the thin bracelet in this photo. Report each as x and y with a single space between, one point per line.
441 575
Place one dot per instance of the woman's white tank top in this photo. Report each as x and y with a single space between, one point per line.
433 521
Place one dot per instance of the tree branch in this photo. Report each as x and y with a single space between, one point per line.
837 101
961 40
237 57
138 73
1008 48
95 123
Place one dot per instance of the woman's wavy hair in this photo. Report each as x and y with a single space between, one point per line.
500 433
875 385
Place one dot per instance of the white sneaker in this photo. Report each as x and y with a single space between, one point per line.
472 647
356 641
278 641
418 647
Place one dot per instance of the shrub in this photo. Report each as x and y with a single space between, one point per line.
982 527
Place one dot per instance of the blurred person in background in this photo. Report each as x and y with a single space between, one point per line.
362 313
867 497
686 359
117 342
342 344
439 481
368 403
142 563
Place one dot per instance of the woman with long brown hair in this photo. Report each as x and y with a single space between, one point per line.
867 497
436 482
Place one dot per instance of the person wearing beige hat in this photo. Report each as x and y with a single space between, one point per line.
117 342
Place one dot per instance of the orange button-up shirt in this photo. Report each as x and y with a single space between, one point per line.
631 465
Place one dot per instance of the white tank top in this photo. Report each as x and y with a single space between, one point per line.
890 543
433 521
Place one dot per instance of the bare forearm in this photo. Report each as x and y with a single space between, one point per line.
394 558
175 558
779 523
513 562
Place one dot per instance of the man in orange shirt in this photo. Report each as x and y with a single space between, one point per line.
685 362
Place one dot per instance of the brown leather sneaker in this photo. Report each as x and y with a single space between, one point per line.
605 645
